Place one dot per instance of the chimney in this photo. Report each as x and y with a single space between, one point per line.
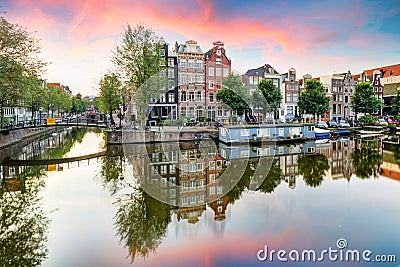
176 47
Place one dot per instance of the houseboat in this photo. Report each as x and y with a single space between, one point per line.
240 134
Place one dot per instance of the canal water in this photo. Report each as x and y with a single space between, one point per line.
324 203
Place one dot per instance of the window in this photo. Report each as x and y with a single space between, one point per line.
218 60
211 71
340 98
192 184
182 63
211 166
281 131
184 201
164 169
346 99
212 177
170 73
171 169
183 111
218 52
183 96
199 78
192 167
191 63
288 97
200 167
184 168
182 78
199 95
212 190
191 112
226 71
211 84
211 96
219 190
184 186
289 110
218 72
191 96
162 52
201 183
171 62
199 63
244 154
295 97
334 97
219 164
171 97
244 132
219 111
162 98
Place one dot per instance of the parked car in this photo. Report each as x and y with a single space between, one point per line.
391 120
59 119
322 124
354 123
382 122
333 124
344 124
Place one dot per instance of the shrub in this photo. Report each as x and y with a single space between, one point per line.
368 120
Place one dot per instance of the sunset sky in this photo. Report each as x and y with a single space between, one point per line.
315 37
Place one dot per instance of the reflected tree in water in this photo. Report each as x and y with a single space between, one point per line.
313 168
236 192
141 222
273 178
366 162
23 225
111 172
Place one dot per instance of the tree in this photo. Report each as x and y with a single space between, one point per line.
33 96
313 167
110 98
364 99
79 104
313 99
396 104
272 95
234 94
18 60
138 57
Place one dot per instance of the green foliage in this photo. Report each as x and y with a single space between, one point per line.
141 222
180 121
364 99
366 161
396 104
272 95
313 167
18 63
79 104
273 178
368 120
110 90
313 99
234 94
167 123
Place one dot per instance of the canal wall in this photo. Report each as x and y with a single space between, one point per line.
163 134
12 141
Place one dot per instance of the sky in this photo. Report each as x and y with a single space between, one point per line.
314 37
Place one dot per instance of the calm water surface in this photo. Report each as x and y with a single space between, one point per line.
95 215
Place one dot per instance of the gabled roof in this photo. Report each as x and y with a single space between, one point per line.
267 68
387 71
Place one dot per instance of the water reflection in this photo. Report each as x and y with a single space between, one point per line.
141 222
24 223
191 179
313 168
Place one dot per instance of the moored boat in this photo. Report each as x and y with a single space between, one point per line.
322 133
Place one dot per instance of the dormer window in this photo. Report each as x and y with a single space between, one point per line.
218 52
